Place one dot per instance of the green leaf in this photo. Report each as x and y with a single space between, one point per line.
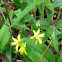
2 31
58 24
26 11
56 57
25 58
0 1
7 51
3 9
41 10
55 44
49 5
11 15
56 3
60 58
61 42
50 35
35 51
49 15
17 12
5 37
50 31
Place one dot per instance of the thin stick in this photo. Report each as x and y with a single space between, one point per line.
50 41
5 20
7 12
12 27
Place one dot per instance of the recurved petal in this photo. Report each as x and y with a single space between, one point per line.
18 37
39 40
17 46
38 31
41 35
13 43
34 32
14 39
21 44
22 50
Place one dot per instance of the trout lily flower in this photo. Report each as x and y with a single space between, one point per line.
20 46
16 42
23 48
37 36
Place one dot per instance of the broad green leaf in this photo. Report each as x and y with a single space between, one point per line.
50 31
25 58
27 18
2 32
56 57
4 38
55 44
60 58
7 51
35 51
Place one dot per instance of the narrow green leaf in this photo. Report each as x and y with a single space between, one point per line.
11 15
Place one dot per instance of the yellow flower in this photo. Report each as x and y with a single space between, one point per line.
16 42
37 36
22 49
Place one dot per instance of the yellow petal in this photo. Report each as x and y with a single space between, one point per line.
38 31
34 32
22 50
18 37
17 46
36 41
39 40
21 44
41 35
13 43
32 37
14 39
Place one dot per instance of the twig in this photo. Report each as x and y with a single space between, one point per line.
7 12
50 41
12 27
5 20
